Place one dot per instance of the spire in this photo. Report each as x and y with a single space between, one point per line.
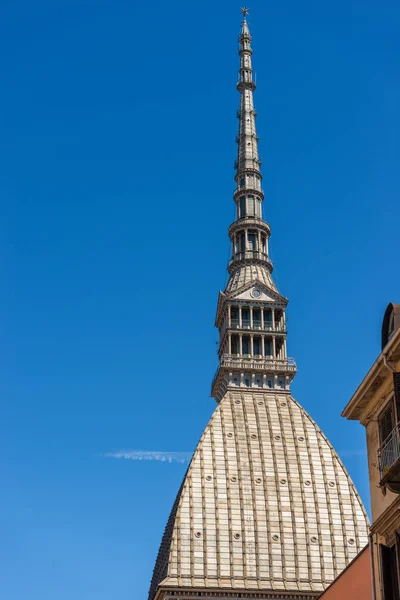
251 313
247 139
248 194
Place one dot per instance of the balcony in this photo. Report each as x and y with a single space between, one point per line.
251 221
265 363
250 364
389 461
257 325
249 255
247 189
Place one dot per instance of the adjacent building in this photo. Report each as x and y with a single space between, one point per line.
376 405
355 582
266 509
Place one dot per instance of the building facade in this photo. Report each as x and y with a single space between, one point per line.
376 405
354 583
266 509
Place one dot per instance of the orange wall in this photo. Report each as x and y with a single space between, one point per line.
355 583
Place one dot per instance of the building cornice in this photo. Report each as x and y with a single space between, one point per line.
386 521
377 374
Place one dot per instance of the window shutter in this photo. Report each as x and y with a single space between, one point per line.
396 387
386 423
389 574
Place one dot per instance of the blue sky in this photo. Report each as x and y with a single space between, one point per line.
116 178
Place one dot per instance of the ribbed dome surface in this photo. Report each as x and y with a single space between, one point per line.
249 274
266 505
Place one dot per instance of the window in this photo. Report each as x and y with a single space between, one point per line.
258 382
242 207
267 319
264 244
258 209
396 387
252 240
386 422
281 384
267 348
235 344
389 557
245 344
257 346
241 184
250 204
247 382
256 318
234 316
245 317
269 383
279 347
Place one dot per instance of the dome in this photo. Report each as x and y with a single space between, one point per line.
266 505
247 275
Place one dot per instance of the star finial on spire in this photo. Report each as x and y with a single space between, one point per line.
244 11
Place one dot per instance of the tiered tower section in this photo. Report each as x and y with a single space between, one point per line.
251 313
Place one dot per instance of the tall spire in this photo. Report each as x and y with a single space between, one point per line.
251 312
266 508
248 160
248 194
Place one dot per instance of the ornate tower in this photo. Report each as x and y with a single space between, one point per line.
266 509
252 324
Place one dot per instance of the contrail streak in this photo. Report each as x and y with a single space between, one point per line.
169 457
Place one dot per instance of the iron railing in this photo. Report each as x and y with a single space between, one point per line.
389 451
257 325
250 255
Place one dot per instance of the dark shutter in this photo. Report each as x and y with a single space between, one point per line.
389 573
396 386
386 423
397 538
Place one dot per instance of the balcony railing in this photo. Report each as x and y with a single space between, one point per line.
249 363
250 255
389 457
257 325
265 363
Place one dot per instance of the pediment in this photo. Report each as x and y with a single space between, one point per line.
249 292
246 292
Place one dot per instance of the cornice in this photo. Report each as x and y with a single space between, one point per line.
388 519
171 593
377 374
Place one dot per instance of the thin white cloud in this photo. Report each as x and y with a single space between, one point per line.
169 457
